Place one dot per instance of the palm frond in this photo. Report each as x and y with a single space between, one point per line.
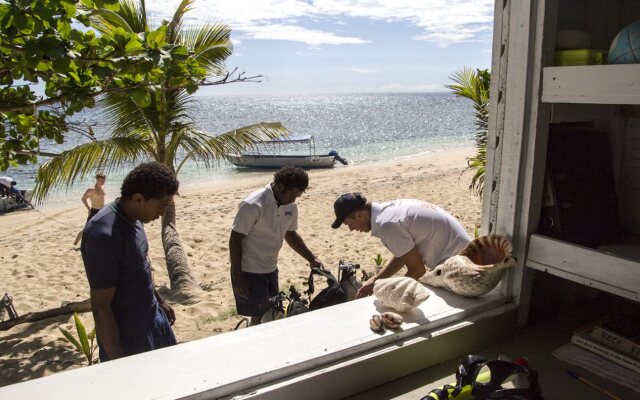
131 16
175 26
105 155
474 85
202 147
121 112
210 44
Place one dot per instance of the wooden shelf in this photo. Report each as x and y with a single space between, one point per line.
592 84
580 264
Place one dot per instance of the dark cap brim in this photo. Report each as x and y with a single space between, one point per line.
337 223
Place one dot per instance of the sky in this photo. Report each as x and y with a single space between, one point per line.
346 46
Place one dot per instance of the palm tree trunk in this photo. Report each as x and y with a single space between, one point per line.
183 285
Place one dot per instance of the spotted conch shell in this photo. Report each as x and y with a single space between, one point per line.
476 269
400 293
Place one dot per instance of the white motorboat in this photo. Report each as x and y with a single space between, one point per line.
296 150
12 203
12 199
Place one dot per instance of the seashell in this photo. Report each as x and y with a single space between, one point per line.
376 324
476 270
400 293
391 320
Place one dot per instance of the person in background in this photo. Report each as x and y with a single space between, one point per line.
5 186
9 188
420 235
130 315
96 195
265 219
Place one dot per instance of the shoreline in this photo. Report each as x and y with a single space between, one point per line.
57 206
41 267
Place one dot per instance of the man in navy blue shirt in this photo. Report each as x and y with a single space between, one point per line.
130 316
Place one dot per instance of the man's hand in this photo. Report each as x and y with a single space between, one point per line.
316 263
240 284
168 310
367 288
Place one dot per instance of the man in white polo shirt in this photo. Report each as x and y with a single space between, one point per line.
265 219
419 234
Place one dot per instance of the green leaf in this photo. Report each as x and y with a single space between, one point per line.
69 8
7 21
61 65
156 38
64 28
141 97
133 45
71 339
82 335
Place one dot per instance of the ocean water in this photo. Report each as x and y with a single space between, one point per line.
363 128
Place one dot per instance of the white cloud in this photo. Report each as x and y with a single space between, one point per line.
443 22
297 34
361 70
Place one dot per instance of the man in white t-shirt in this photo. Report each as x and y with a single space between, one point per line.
265 219
420 235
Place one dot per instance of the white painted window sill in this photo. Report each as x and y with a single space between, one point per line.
240 361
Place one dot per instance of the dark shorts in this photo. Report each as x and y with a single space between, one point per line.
261 287
158 335
92 212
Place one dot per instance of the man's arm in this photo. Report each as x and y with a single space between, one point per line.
387 271
168 310
85 197
239 280
415 269
415 264
106 325
294 240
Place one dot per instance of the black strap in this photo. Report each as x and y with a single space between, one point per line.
331 280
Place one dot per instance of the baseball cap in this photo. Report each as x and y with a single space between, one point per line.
345 205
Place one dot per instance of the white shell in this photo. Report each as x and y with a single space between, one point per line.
400 293
376 324
391 320
476 269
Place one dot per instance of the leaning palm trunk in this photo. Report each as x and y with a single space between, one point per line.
183 285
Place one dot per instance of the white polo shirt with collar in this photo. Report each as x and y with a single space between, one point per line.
264 223
406 223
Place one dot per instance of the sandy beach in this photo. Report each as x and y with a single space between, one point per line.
41 268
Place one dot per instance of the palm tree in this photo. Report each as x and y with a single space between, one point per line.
474 85
155 124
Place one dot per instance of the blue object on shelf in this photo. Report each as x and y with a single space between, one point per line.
625 48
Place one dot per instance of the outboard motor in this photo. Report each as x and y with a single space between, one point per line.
337 157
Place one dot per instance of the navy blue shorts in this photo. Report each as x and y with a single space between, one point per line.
158 335
92 212
261 287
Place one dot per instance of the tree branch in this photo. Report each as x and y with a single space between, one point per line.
59 99
77 306
38 153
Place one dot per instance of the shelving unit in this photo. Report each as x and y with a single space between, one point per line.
592 84
528 95
611 85
593 268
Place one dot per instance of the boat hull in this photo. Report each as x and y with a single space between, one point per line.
8 204
267 161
